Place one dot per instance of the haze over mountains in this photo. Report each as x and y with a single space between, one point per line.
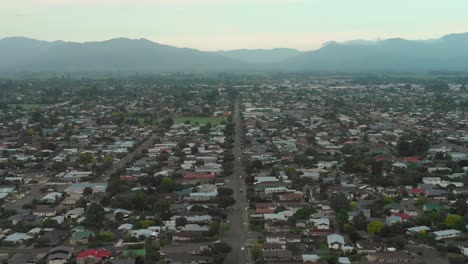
17 54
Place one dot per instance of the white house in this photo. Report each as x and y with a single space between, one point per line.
321 223
447 234
431 180
335 241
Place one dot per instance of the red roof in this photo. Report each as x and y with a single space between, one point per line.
94 253
199 176
403 216
417 191
411 159
264 210
381 158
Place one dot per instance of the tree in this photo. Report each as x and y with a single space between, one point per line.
94 215
105 236
420 146
454 220
339 202
221 248
107 161
86 158
225 201
303 213
162 206
223 191
256 253
87 191
204 130
360 221
404 148
461 207
194 150
180 221
140 200
375 227
168 185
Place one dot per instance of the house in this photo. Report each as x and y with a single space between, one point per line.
186 236
198 178
75 213
431 180
429 207
125 227
18 238
322 223
186 258
80 237
77 188
393 219
27 257
344 260
310 258
282 238
366 247
195 228
143 233
72 199
92 256
44 210
278 256
389 257
417 192
417 230
447 234
335 241
52 197
59 255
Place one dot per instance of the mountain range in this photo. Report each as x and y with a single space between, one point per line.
122 55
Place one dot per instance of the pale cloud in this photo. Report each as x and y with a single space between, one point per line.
236 40
130 2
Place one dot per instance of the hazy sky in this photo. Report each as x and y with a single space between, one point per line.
232 24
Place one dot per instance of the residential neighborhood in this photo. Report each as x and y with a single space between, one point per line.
230 169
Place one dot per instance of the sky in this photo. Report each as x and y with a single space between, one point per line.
232 24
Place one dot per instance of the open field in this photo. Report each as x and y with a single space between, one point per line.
28 106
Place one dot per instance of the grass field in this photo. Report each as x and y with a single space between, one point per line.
28 106
199 120
134 253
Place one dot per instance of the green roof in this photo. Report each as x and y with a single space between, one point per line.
81 235
432 207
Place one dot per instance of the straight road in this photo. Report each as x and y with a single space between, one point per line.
122 163
237 215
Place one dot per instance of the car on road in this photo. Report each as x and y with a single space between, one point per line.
242 248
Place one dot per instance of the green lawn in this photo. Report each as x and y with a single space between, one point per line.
28 106
134 252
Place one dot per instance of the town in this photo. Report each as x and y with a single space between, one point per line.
234 169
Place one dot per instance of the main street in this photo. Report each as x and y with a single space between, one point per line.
237 234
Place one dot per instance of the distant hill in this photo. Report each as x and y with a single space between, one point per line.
260 56
449 53
115 55
18 54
